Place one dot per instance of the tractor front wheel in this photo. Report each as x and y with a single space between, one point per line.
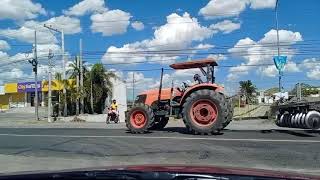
204 112
139 118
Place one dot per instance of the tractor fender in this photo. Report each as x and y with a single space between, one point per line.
190 90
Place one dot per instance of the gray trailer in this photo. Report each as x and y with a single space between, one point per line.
304 113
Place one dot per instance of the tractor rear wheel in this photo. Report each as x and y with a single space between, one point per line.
204 112
229 112
139 118
160 123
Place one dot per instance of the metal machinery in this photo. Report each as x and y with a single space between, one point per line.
298 114
203 106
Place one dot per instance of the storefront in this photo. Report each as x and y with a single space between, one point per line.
28 89
22 94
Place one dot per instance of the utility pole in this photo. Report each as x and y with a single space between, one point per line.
63 65
277 24
34 63
91 94
50 56
78 79
81 77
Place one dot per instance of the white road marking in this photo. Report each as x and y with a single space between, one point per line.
165 137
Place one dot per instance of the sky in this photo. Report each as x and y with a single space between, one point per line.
143 36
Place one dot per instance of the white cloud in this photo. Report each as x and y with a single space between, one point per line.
262 4
4 45
312 68
3 56
223 8
69 25
235 72
231 8
86 7
111 22
310 63
269 71
137 25
314 74
12 75
261 52
140 81
204 46
285 37
172 35
26 32
291 67
217 57
20 9
225 26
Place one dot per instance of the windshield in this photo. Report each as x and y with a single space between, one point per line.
96 83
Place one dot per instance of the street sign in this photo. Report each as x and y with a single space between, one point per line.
279 62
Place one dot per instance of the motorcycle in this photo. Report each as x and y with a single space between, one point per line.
112 116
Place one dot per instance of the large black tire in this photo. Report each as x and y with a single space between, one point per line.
229 112
160 123
139 118
215 106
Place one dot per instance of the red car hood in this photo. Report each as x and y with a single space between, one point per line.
187 169
219 170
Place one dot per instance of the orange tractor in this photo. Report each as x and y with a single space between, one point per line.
203 106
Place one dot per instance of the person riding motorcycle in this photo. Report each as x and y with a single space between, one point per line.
112 110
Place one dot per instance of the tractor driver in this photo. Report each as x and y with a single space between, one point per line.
197 79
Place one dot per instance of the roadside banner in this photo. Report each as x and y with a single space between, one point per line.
28 86
279 62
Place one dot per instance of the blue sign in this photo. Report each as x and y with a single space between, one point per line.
279 62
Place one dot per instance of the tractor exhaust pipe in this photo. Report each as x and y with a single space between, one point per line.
160 87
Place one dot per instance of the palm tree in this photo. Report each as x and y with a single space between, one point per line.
247 89
100 80
58 78
74 73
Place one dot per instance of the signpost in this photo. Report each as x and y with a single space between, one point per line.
280 62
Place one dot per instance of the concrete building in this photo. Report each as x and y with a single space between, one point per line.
267 99
120 94
264 99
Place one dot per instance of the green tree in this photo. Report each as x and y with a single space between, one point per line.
58 78
247 89
97 87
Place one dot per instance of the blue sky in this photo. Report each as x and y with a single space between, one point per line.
238 33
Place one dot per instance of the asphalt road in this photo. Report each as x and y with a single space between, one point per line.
59 148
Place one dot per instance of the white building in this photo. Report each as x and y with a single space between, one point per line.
120 94
278 95
264 99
